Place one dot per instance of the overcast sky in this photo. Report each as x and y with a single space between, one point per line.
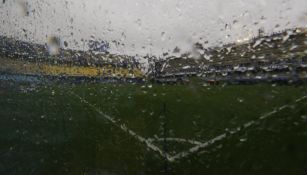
148 26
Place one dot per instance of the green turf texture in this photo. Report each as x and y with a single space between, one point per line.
50 131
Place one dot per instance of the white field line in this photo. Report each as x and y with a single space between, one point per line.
224 135
141 139
198 144
179 140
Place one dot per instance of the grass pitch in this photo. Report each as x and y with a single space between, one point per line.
65 129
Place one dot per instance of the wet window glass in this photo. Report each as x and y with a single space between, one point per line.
112 87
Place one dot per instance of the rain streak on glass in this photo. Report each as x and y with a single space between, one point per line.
153 87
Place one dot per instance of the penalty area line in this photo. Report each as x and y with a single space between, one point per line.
124 128
224 135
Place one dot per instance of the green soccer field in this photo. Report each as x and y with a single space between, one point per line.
154 129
